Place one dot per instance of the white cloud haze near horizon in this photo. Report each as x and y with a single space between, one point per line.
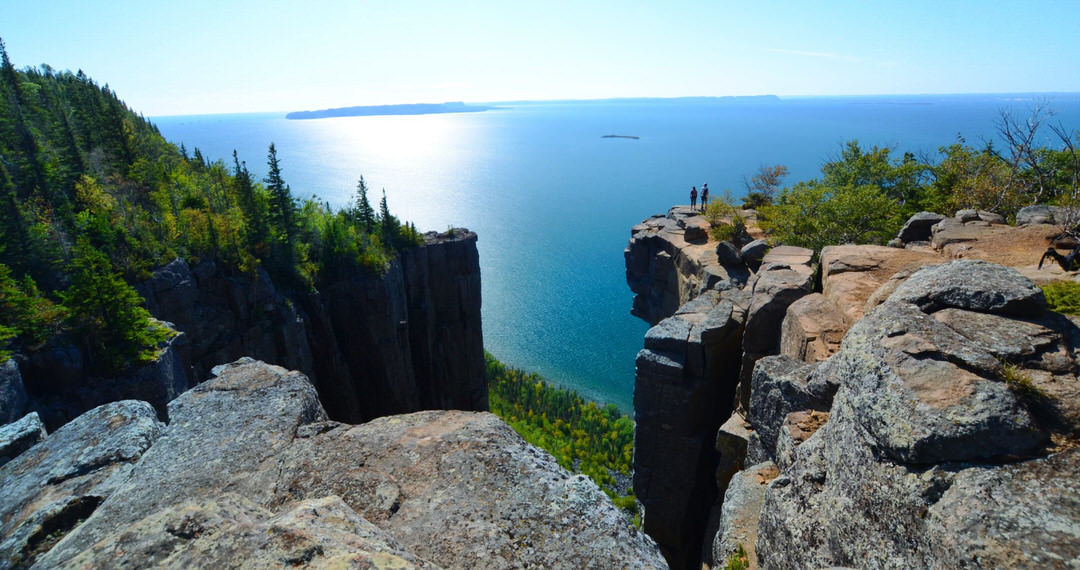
246 56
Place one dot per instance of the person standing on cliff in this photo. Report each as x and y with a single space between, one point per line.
693 197
704 196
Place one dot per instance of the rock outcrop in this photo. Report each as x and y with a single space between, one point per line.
841 452
408 340
682 393
249 468
933 416
688 372
668 264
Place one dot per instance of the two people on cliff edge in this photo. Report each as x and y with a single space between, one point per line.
704 196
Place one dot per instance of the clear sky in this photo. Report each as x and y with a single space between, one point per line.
221 56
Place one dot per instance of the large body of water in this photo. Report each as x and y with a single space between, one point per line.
553 201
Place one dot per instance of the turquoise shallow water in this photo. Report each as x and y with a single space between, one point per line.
553 201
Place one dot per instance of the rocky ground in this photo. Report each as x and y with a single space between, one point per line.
250 473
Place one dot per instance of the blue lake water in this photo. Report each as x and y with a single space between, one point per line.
553 201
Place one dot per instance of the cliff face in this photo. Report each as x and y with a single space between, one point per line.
250 471
952 383
407 341
372 347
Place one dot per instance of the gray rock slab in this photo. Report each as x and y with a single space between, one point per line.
61 480
13 398
20 435
972 285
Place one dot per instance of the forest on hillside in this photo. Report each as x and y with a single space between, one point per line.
93 198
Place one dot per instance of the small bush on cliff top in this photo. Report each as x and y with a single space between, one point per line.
582 436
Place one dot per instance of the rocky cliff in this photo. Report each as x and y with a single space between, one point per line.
861 410
250 472
406 341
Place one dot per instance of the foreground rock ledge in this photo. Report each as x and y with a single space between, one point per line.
249 472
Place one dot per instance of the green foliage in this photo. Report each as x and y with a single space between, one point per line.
725 223
738 560
25 315
582 436
92 198
860 198
814 215
116 330
1063 297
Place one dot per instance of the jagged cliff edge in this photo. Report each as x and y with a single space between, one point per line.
772 415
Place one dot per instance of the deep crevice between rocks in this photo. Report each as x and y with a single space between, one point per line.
56 527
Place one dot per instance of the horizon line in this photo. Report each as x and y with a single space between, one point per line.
658 99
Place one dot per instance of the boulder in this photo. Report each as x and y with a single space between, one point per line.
13 398
753 252
728 254
782 385
1040 214
812 329
250 469
970 215
917 228
19 436
52 486
224 531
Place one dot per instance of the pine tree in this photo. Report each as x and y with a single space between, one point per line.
282 206
362 212
388 223
255 230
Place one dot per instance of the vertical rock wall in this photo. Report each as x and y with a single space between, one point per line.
406 341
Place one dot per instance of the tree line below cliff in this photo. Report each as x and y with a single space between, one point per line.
595 440
93 198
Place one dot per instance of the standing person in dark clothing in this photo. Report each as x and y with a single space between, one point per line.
693 196
704 196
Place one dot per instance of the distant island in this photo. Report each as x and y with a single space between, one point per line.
635 137
405 109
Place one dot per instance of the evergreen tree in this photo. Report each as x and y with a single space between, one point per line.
255 229
282 206
387 223
108 314
362 212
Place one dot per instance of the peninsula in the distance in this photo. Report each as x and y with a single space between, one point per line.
405 109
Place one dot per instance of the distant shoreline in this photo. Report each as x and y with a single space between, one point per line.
377 110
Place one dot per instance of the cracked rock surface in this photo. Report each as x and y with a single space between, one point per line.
250 472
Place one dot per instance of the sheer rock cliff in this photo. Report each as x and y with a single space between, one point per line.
870 401
406 341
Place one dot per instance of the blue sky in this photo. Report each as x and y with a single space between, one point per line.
221 56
